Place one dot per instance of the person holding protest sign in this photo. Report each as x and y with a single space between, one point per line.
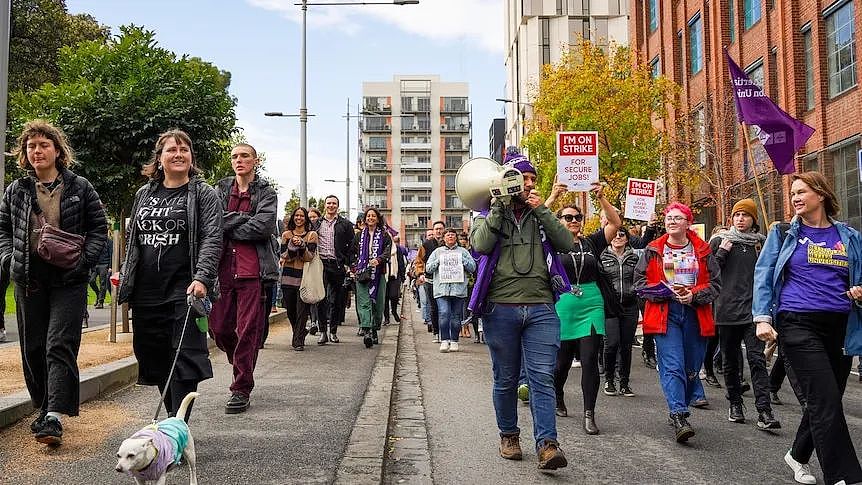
583 310
450 264
679 278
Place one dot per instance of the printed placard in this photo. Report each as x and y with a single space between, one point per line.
578 159
451 268
640 199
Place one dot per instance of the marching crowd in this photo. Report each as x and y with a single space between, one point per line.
528 282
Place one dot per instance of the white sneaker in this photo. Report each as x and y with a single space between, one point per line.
801 472
2 335
436 339
576 364
444 346
453 346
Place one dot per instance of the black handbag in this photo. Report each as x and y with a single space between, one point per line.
364 275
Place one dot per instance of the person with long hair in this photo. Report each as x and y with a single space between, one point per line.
371 248
173 251
50 300
582 311
807 292
298 248
314 218
679 278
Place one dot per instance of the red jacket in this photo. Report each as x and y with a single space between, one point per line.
650 272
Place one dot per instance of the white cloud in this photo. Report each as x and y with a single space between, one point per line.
444 21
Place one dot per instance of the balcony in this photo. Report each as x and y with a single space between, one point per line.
424 167
416 205
417 128
416 146
416 185
370 166
376 128
455 128
374 148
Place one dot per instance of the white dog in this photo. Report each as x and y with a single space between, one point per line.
154 450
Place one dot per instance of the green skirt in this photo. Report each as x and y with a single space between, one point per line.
579 315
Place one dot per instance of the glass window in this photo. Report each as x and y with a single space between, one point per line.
841 49
377 143
751 10
653 15
847 184
809 68
453 221
655 67
731 11
695 44
546 40
774 92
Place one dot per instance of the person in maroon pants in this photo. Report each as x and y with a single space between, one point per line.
247 264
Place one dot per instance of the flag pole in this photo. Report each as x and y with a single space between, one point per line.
745 137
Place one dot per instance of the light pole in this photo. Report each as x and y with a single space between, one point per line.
5 23
517 117
303 106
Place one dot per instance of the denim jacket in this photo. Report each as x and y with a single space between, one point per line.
769 277
450 289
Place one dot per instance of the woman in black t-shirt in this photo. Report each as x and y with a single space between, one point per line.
174 246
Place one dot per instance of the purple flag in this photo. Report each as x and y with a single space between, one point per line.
781 134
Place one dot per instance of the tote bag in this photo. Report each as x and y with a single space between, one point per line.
311 289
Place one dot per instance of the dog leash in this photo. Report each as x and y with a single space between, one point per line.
202 306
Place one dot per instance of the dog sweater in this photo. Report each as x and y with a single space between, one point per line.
169 437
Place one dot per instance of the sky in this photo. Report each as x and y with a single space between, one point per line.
258 42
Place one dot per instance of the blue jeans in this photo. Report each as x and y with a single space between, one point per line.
680 354
423 301
531 333
451 310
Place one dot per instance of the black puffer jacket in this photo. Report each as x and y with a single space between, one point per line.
620 272
256 226
205 238
80 213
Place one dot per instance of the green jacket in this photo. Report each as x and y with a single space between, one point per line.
521 275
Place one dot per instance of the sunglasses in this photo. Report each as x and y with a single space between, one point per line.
570 217
621 234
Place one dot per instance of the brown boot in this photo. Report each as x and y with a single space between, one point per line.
510 447
551 456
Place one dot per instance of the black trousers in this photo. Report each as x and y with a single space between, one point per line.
297 313
619 336
49 326
391 304
330 310
432 305
588 349
731 338
711 350
812 344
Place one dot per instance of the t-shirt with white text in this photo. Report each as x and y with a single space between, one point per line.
816 276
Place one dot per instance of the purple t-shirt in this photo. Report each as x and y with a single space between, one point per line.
816 276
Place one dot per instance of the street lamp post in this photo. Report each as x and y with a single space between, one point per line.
517 117
303 106
5 23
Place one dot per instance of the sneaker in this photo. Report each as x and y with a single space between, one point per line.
453 346
700 403
801 472
765 420
238 403
323 339
610 389
436 339
524 393
773 397
85 323
736 413
712 381
551 456
444 346
333 338
368 341
36 425
50 432
99 306
682 430
702 374
312 330
576 364
626 391
2 335
510 447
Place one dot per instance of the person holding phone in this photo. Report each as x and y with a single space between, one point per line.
679 278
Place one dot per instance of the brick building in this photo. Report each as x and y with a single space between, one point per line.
803 53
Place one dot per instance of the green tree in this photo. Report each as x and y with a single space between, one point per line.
292 203
601 90
39 28
113 100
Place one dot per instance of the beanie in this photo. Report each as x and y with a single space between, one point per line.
518 160
747 206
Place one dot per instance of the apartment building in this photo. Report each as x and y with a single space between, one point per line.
537 33
804 55
415 133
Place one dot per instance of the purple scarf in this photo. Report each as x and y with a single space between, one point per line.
364 256
485 272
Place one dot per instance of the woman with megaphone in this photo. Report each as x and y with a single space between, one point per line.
583 310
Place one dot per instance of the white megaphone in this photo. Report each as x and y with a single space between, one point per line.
481 178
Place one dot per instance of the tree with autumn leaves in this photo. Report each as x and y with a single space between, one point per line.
605 90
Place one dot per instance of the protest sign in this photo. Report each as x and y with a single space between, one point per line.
578 159
451 268
640 199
